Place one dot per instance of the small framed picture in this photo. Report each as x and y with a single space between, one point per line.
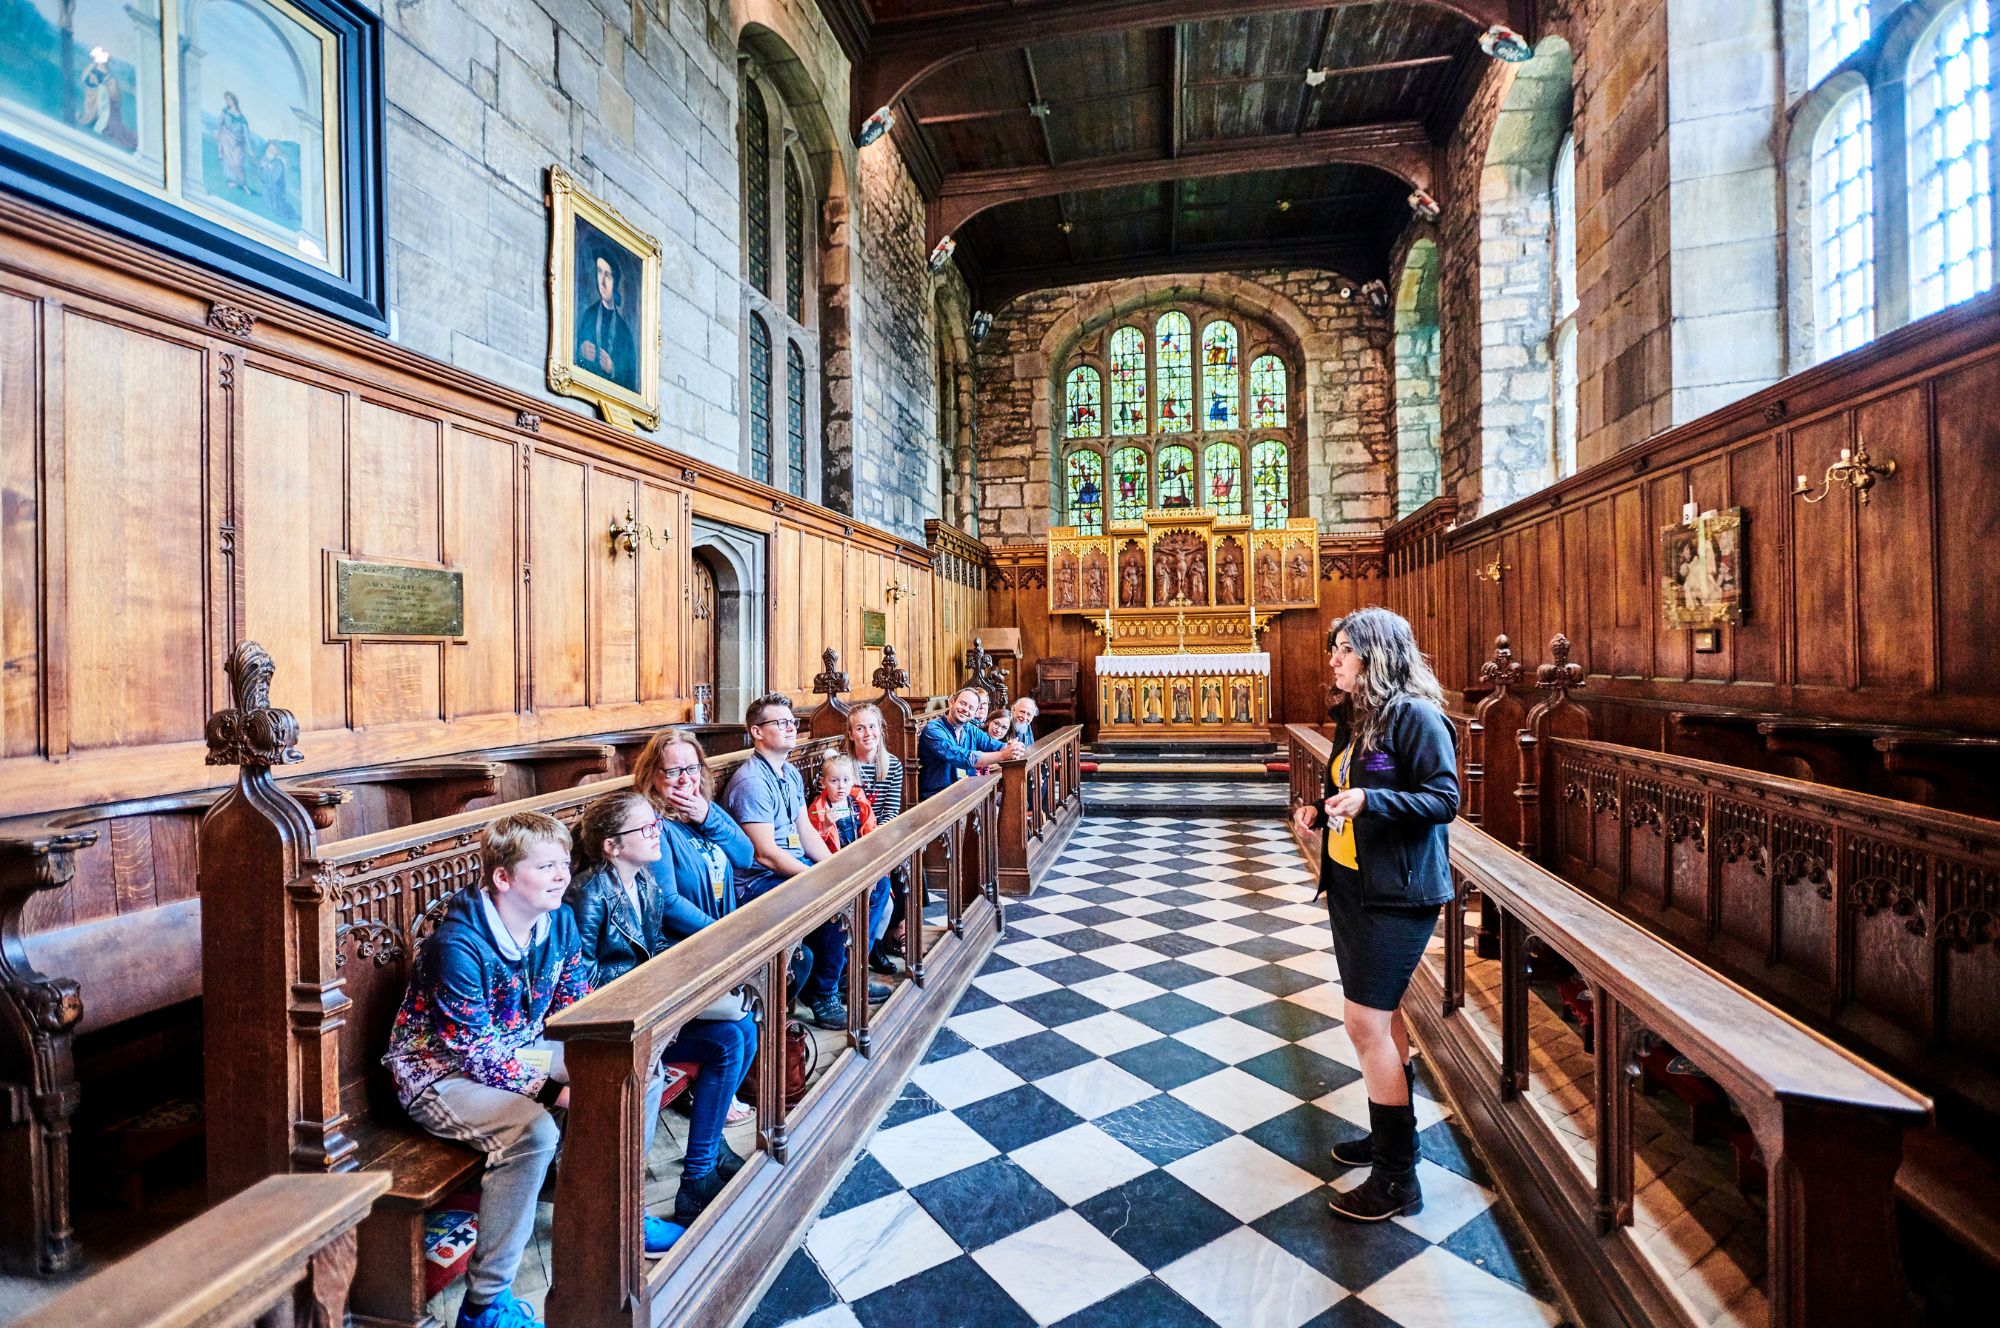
1707 640
604 307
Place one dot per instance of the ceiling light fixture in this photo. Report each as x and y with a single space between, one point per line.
875 126
1503 43
1424 205
1284 205
1315 77
1039 109
1065 226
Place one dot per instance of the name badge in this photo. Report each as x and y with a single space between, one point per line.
718 874
792 842
539 1060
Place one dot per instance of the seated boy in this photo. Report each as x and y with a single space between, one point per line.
467 1053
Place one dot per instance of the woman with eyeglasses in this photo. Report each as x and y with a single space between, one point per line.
626 915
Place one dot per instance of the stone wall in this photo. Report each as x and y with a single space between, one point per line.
1347 412
1415 357
638 99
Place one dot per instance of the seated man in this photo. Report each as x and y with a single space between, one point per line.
467 1053
955 745
767 797
1025 712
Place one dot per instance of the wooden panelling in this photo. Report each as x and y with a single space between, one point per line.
1868 613
168 488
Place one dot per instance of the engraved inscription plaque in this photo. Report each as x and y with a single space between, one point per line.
874 628
397 599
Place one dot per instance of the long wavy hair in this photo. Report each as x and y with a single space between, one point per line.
1392 670
646 770
869 710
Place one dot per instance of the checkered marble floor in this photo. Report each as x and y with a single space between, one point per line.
1219 797
1126 1123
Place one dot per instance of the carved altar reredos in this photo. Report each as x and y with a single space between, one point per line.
1184 578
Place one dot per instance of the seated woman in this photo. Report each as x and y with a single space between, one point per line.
878 776
626 917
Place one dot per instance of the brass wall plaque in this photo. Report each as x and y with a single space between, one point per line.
874 628
397 599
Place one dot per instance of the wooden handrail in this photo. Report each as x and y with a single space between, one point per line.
1041 803
285 1244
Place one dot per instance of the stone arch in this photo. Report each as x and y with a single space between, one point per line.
1415 357
1516 305
768 33
736 559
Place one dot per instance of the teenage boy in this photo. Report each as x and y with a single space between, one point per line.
955 744
467 1053
767 796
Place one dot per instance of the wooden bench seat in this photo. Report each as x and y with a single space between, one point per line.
424 1171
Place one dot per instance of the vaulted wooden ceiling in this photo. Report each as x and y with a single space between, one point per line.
1073 140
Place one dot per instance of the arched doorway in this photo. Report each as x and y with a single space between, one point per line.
728 645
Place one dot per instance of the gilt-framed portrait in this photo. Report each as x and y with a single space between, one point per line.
604 306
1702 571
243 134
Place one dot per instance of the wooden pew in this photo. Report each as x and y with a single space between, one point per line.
279 1254
611 1038
828 719
1047 786
1830 1126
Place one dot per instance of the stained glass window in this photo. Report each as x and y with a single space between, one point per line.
1177 476
760 400
1221 377
1267 393
1222 467
1085 486
1131 490
1083 398
1270 484
795 242
757 188
1173 360
1843 193
795 416
1128 381
1951 143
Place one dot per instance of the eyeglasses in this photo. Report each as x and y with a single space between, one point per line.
788 725
650 829
680 772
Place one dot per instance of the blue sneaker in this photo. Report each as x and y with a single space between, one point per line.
506 1312
661 1234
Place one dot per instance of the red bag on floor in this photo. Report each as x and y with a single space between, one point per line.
800 1052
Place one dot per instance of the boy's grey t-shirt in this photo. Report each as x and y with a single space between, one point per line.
757 794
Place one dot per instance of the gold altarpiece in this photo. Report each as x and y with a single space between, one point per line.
1180 598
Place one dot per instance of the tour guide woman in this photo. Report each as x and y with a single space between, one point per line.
1390 795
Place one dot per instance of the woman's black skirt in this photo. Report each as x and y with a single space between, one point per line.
1377 948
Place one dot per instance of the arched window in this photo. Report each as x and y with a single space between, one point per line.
1270 484
1267 393
1128 381
1843 204
1950 82
1562 286
1174 365
1221 377
780 255
1177 476
1083 403
1131 484
1223 464
1084 490
1835 30
760 400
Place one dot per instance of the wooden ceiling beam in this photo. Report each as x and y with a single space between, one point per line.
1401 148
904 52
1356 259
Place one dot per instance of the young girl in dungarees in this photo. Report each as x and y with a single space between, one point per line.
842 814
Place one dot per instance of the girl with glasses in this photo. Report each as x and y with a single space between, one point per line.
627 915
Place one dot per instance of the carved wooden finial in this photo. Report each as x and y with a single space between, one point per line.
831 681
1503 670
254 733
888 676
1562 675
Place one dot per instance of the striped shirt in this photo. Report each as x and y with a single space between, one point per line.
886 794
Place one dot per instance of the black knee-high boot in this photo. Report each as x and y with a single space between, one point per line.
1361 1152
1391 1188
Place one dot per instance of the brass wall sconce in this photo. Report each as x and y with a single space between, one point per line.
898 589
1854 469
1491 571
626 535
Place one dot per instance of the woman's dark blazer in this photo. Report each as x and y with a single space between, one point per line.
1401 837
615 942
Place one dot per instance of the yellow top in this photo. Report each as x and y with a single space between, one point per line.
1340 841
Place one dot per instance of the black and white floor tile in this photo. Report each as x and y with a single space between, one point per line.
1127 1120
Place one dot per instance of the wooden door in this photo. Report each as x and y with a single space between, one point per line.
703 641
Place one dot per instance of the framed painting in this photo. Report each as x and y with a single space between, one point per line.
604 306
1702 571
243 134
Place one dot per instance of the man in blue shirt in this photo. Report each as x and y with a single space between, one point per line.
954 745
767 796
